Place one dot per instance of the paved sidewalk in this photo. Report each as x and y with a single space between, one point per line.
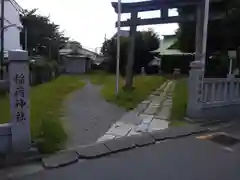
150 115
88 115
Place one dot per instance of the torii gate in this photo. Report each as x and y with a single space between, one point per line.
202 16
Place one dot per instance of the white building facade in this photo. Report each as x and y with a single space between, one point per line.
12 25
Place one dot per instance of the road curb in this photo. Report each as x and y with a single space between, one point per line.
100 149
125 143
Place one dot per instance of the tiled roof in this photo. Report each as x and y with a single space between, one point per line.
167 42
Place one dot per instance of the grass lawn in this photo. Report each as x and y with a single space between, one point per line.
179 106
45 107
143 86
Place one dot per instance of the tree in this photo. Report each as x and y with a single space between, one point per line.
43 36
223 34
145 42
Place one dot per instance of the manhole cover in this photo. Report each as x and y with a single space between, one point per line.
224 139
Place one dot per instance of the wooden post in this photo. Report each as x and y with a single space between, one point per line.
164 12
130 62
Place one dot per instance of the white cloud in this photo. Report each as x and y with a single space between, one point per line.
87 21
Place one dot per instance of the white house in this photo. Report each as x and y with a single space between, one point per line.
75 47
75 58
12 25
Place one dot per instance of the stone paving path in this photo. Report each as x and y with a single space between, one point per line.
88 116
150 115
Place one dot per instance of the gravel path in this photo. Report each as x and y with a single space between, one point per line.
88 116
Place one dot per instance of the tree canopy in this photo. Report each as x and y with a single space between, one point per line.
145 42
223 34
43 36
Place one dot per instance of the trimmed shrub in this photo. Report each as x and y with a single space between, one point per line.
152 70
170 62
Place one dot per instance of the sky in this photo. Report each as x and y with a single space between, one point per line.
88 21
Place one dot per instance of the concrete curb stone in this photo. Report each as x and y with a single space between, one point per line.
60 159
143 140
174 132
93 151
120 144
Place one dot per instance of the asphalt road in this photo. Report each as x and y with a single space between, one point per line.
180 159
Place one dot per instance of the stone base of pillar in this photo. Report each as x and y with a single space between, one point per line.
195 90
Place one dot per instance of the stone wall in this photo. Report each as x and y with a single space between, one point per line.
5 138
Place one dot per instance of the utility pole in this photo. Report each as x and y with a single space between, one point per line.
118 47
2 40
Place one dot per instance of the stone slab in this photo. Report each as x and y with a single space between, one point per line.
167 102
151 110
60 159
130 118
142 127
93 151
151 97
145 102
156 93
121 130
175 132
172 87
141 107
133 132
146 119
118 124
158 124
106 137
157 101
164 113
163 86
120 144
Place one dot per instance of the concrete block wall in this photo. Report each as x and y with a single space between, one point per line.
5 137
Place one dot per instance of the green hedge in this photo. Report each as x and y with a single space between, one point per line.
170 62
43 72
